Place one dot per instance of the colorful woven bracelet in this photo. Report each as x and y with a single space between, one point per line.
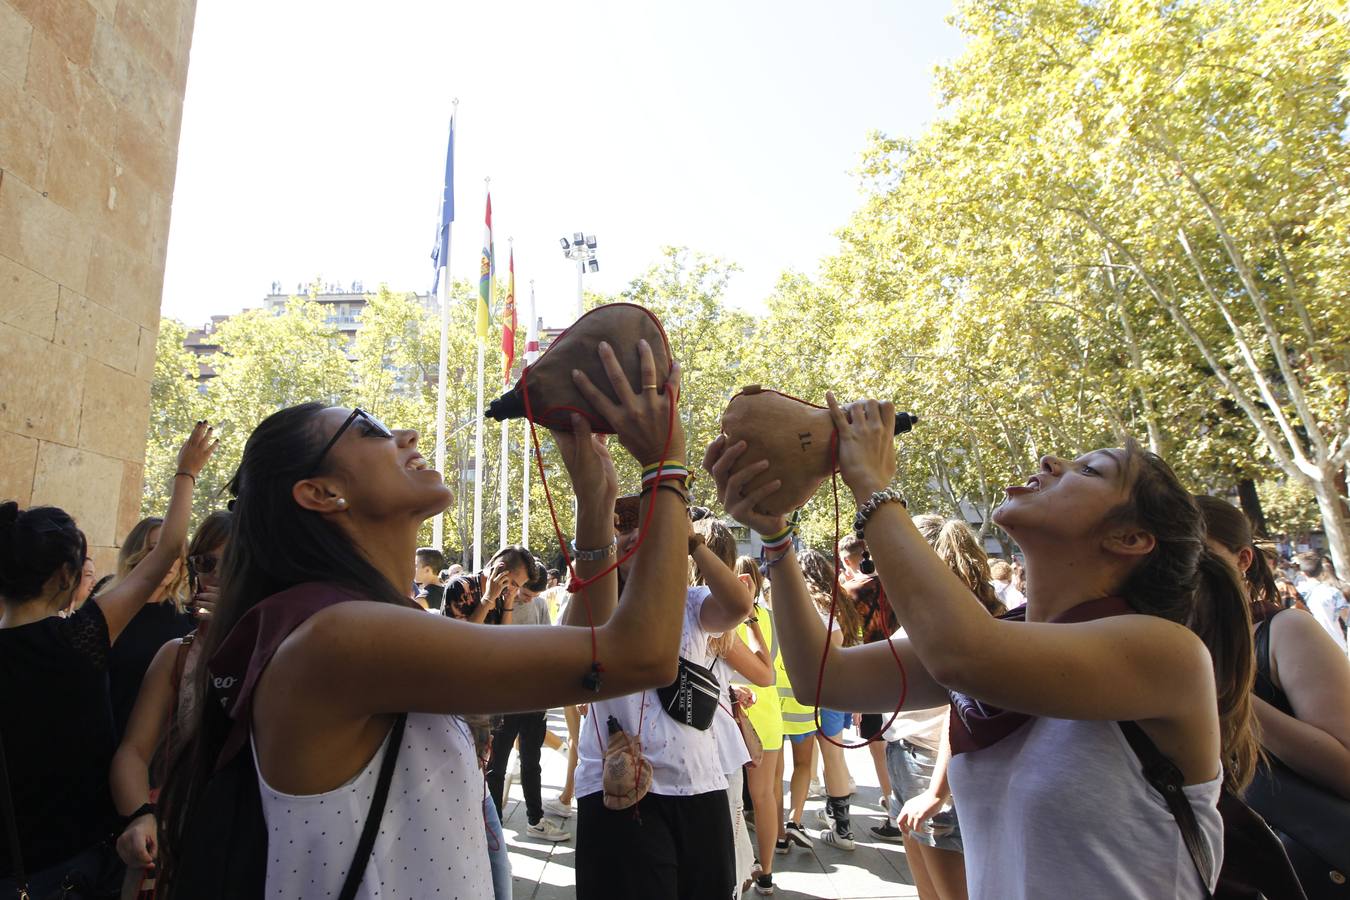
778 542
679 475
667 465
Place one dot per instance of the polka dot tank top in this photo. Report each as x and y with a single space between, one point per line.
432 841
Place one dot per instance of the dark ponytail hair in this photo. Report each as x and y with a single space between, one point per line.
273 544
1184 581
821 584
35 544
1229 526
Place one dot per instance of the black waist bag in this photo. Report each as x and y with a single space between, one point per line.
692 697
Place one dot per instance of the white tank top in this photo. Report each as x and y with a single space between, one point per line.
1060 808
432 841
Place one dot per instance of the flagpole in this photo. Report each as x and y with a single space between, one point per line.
438 523
531 353
478 435
506 430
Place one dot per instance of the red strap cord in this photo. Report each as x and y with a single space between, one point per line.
577 586
829 628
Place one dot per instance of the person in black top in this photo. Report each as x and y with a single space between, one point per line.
163 618
427 577
56 725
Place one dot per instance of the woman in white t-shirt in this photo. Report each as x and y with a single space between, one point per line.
676 844
1052 797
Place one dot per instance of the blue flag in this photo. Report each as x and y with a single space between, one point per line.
440 254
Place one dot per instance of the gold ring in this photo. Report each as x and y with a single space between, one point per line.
651 387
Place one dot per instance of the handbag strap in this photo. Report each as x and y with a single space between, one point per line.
361 858
1166 779
12 827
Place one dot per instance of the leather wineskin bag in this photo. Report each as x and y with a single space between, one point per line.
796 438
554 396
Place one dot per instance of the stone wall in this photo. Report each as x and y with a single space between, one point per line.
91 100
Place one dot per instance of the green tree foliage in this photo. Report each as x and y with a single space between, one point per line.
1130 219
175 405
1290 508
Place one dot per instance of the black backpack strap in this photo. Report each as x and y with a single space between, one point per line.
12 826
1166 779
361 858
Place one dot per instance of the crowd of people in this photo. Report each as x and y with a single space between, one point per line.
277 707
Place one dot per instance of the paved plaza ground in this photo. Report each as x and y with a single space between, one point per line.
876 870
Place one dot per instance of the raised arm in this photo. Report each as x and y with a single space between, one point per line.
129 777
751 666
596 483
1125 668
863 678
124 599
730 602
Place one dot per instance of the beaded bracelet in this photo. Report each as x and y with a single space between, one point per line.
671 486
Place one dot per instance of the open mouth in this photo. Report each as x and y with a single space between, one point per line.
417 464
1032 485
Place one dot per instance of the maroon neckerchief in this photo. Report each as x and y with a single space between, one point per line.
976 725
234 669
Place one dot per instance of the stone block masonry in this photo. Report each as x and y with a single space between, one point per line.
91 102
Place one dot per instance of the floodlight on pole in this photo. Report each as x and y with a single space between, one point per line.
581 250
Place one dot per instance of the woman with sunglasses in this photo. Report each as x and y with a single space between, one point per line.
316 656
155 730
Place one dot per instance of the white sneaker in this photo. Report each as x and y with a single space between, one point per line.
852 785
816 791
563 748
832 837
555 807
546 830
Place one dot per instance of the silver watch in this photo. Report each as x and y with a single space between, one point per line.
595 555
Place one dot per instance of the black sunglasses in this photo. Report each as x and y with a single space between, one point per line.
374 428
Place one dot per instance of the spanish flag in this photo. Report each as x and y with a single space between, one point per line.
486 274
509 321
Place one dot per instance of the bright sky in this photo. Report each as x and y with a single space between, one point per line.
314 135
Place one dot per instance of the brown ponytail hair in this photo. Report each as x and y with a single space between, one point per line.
960 549
1184 581
1229 526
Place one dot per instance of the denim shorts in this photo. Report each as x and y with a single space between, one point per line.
832 724
911 770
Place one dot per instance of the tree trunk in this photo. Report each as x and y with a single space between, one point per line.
1251 505
1335 523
